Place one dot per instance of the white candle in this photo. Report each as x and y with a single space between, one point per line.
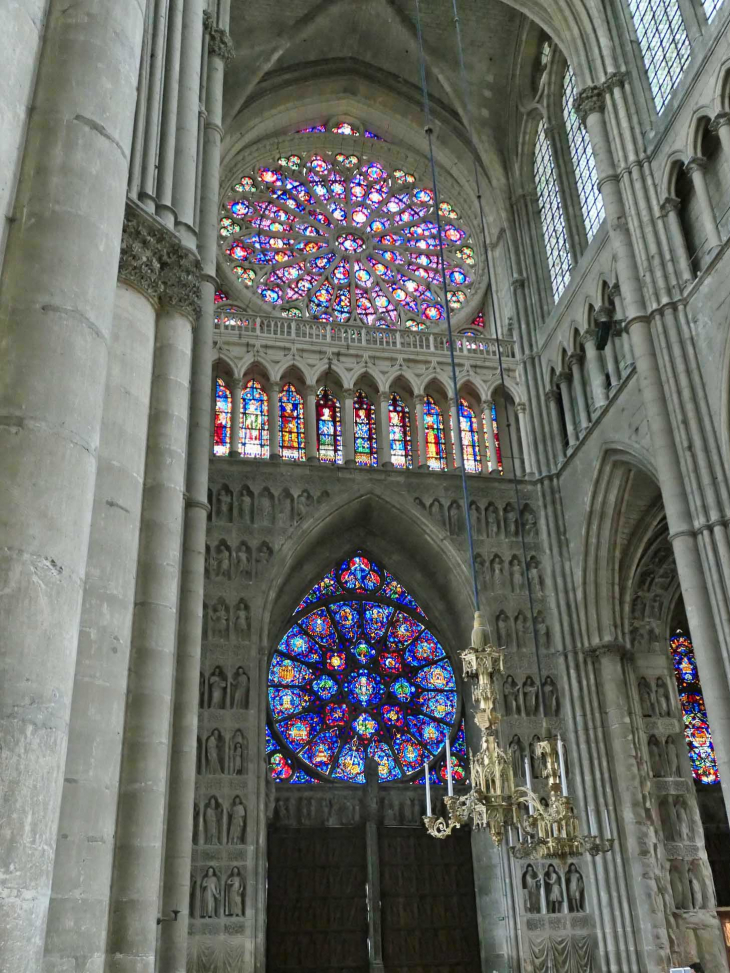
608 822
591 825
563 778
428 791
449 777
528 778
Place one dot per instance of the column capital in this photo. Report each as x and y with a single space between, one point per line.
383 397
420 398
670 204
488 403
520 408
698 163
589 337
614 291
722 118
552 395
310 389
274 388
603 313
518 283
575 359
564 377
220 45
616 649
180 279
236 383
589 101
617 79
349 393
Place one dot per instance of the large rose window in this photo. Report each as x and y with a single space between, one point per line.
359 675
338 237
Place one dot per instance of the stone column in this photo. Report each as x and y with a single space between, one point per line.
595 368
527 462
79 907
419 402
455 427
274 392
552 396
55 327
143 779
348 427
576 367
482 440
590 106
383 428
310 423
696 168
168 115
178 851
491 441
236 389
152 114
670 212
720 124
187 125
567 400
620 322
604 315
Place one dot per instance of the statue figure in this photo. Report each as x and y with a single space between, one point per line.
515 575
210 894
503 632
245 506
675 880
219 620
476 520
266 508
656 760
263 556
553 889
518 758
529 521
242 559
531 884
211 823
236 765
683 826
695 889
512 701
522 628
529 695
224 511
663 705
550 698
234 893
533 570
542 632
286 509
214 752
240 684
222 560
492 521
237 822
497 572
670 749
510 521
217 689
242 620
535 758
646 698
575 888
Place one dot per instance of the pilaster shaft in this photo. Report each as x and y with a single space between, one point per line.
274 422
576 367
421 459
383 428
696 167
670 212
236 389
564 383
310 424
491 439
595 369
348 427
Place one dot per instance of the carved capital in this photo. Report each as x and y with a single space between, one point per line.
722 118
670 205
604 313
220 44
617 79
552 395
518 283
180 278
574 359
588 101
615 291
520 408
697 163
139 263
564 377
589 337
616 649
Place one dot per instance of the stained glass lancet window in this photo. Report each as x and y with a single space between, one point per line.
222 433
664 45
291 424
495 430
696 725
329 427
433 423
254 421
359 674
469 438
551 213
584 164
366 443
400 433
337 237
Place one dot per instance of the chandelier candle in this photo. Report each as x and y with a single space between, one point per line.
449 776
428 788
561 758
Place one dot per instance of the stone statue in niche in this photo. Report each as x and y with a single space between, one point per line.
542 632
656 760
535 758
522 630
510 521
515 575
529 695
575 888
420 504
531 884
533 571
683 825
213 822
214 750
263 556
517 755
675 880
665 817
492 521
657 605
646 698
670 748
285 513
305 502
210 895
481 566
454 518
529 521
242 558
242 620
475 514
550 697
503 630
240 685
196 823
234 893
436 510
553 889
695 889
217 684
224 505
207 561
237 755
222 561
237 822
637 637
638 607
193 902
663 705
245 506
265 508
219 620
323 498
497 568
512 701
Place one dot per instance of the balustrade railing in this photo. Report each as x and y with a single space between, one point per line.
232 322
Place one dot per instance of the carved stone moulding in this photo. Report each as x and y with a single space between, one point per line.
664 785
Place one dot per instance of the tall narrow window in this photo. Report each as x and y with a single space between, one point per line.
551 213
584 165
495 430
254 421
222 433
329 427
696 725
291 424
469 438
400 433
711 7
664 45
433 423
366 443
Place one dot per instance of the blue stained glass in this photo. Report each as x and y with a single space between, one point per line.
329 427
376 619
409 752
403 630
336 714
296 643
430 733
319 625
459 744
424 649
351 765
279 766
697 732
360 574
301 778
440 705
326 588
347 618
403 690
299 730
363 652
440 676
365 726
320 752
469 438
287 702
291 424
289 672
395 590
325 687
383 756
390 663
271 743
433 778
393 715
365 688
222 437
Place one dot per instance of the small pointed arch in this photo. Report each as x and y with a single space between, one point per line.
332 376
697 131
367 378
329 426
288 371
292 444
722 88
